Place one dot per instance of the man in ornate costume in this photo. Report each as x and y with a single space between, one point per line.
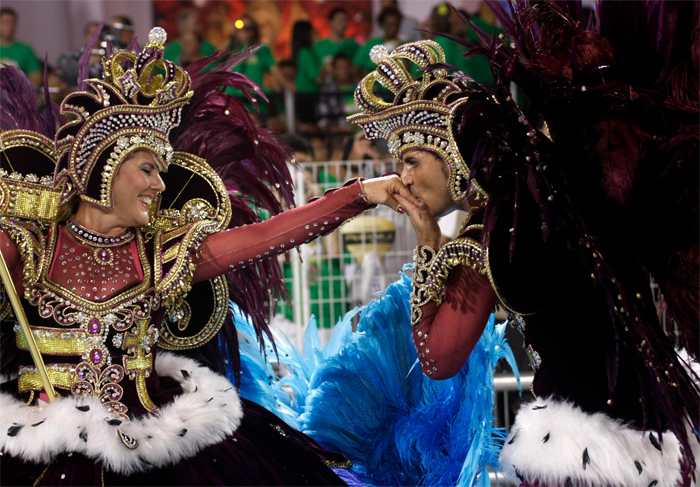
128 230
562 199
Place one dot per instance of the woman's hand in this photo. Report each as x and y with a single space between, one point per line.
383 190
422 219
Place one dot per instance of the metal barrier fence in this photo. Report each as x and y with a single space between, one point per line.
348 267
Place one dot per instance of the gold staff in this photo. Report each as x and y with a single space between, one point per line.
24 323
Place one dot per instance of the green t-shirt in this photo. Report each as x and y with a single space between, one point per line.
20 55
173 50
308 70
478 67
256 65
453 53
325 49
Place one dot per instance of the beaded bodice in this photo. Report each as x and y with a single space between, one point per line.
95 271
92 317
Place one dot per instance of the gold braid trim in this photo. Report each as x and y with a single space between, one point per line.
62 376
53 341
29 241
174 284
431 270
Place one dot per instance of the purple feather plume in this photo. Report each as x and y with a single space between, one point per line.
621 106
19 108
252 163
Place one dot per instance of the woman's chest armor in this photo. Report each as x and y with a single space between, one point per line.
95 274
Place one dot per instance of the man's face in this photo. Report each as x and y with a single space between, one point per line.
391 26
342 71
339 23
8 23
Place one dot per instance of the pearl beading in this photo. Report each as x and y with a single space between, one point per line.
89 237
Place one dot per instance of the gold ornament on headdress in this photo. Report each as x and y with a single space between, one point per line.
421 115
133 107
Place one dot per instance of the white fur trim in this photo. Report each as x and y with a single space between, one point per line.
549 438
207 411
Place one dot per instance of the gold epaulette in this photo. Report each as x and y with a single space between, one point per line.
25 194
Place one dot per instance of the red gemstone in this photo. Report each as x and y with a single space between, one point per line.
94 326
96 356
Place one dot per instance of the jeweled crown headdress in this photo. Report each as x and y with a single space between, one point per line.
133 107
421 115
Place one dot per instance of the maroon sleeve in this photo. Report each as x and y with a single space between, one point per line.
242 246
447 333
12 259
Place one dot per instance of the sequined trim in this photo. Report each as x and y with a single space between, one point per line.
170 340
61 376
431 270
128 441
51 341
91 382
344 465
178 280
28 195
138 364
94 239
29 241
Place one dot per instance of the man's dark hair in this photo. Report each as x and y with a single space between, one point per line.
336 11
8 11
388 12
298 143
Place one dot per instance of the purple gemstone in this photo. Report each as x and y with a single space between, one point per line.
96 356
94 326
103 255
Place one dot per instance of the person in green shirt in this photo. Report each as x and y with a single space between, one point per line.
390 22
17 53
307 64
478 66
258 65
188 24
336 42
308 71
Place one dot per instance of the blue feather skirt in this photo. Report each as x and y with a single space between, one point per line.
364 395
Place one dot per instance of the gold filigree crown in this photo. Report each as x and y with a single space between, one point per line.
421 115
133 107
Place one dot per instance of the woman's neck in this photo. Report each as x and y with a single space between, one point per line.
98 220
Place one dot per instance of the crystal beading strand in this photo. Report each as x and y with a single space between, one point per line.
89 237
98 243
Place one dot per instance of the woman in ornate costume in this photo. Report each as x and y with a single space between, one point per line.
127 231
560 198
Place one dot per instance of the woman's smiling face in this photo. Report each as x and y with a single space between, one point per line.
137 182
427 178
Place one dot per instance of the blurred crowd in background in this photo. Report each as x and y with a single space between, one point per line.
309 75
